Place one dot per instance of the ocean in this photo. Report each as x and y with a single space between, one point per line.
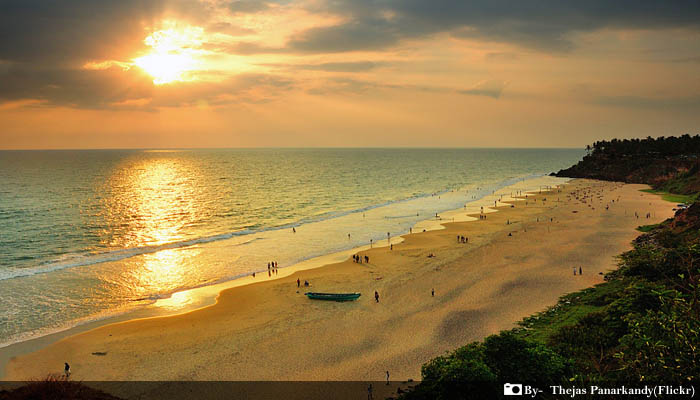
90 234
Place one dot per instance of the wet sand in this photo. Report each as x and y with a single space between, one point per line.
271 331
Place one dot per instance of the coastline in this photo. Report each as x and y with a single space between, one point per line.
203 296
245 305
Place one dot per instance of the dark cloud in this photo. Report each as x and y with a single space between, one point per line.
363 34
74 88
70 32
116 88
45 45
542 24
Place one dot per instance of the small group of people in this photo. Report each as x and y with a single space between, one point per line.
580 271
306 283
271 268
358 259
482 216
462 239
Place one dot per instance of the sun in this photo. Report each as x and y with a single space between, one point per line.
174 54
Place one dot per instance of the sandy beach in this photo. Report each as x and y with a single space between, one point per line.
271 331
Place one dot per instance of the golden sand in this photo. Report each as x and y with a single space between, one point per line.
271 331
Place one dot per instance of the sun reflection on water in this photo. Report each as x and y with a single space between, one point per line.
153 202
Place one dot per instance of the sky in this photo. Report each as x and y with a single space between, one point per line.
345 73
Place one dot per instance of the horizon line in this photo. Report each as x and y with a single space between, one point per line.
298 148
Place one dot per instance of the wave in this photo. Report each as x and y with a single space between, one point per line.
79 260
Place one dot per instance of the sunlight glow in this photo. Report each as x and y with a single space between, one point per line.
175 53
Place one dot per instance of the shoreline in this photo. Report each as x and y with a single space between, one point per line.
196 298
223 297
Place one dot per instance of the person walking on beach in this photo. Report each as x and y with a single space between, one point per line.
294 230
66 370
580 270
574 271
376 296
298 282
369 392
367 259
387 377
432 292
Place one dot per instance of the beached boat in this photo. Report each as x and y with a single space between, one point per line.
333 296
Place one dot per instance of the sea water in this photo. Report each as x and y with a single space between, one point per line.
89 234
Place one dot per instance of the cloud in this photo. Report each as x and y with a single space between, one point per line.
690 103
352 66
501 56
364 34
70 32
544 25
345 85
491 88
115 88
687 60
247 6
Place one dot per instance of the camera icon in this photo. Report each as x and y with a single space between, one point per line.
512 389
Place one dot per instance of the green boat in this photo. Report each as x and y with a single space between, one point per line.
332 296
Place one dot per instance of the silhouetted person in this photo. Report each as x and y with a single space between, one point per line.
387 377
432 292
376 296
580 270
367 259
66 369
298 282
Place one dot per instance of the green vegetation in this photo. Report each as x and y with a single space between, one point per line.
669 164
642 326
674 197
647 228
